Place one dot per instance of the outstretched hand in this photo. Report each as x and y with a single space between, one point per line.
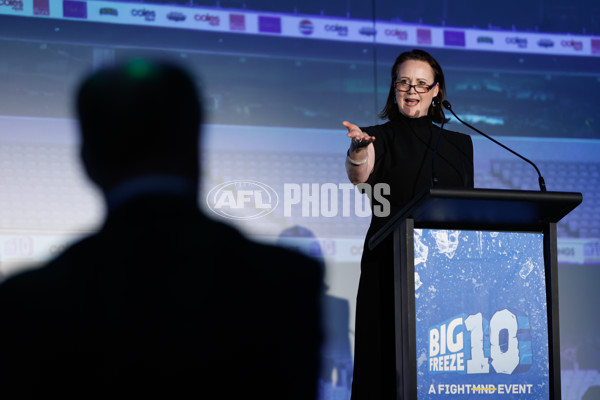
356 133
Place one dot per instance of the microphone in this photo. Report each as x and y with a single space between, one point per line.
434 179
541 181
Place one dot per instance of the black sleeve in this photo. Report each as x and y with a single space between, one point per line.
468 164
380 148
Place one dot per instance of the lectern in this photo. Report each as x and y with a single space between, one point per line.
476 293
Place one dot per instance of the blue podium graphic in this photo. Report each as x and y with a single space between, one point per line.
481 318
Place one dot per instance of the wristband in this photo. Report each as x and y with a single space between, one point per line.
353 162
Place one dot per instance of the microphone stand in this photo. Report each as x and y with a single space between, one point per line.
434 178
541 181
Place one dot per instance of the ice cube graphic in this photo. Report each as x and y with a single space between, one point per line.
446 241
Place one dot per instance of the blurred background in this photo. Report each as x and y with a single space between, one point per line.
278 78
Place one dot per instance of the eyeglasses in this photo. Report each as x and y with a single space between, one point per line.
419 87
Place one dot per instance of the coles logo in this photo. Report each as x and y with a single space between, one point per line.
212 20
341 30
401 35
356 250
16 5
149 15
306 27
577 45
242 200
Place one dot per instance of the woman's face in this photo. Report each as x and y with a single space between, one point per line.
411 103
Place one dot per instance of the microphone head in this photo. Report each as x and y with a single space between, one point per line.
435 101
446 104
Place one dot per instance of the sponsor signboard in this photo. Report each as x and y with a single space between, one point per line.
237 22
41 7
268 24
481 315
424 36
454 38
74 9
318 27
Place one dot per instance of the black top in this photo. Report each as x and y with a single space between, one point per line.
403 160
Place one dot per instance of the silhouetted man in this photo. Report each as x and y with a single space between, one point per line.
162 301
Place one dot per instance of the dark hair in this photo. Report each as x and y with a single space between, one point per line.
390 110
139 112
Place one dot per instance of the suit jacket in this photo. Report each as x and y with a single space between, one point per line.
164 301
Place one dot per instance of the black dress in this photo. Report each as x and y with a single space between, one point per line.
403 159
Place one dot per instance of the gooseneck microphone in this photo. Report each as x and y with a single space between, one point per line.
541 181
434 179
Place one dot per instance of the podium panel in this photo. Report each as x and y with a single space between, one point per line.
476 293
480 314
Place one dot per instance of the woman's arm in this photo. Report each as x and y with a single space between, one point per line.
360 158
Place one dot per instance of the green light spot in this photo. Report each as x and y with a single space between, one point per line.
139 69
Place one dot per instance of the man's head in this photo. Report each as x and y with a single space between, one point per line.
139 118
